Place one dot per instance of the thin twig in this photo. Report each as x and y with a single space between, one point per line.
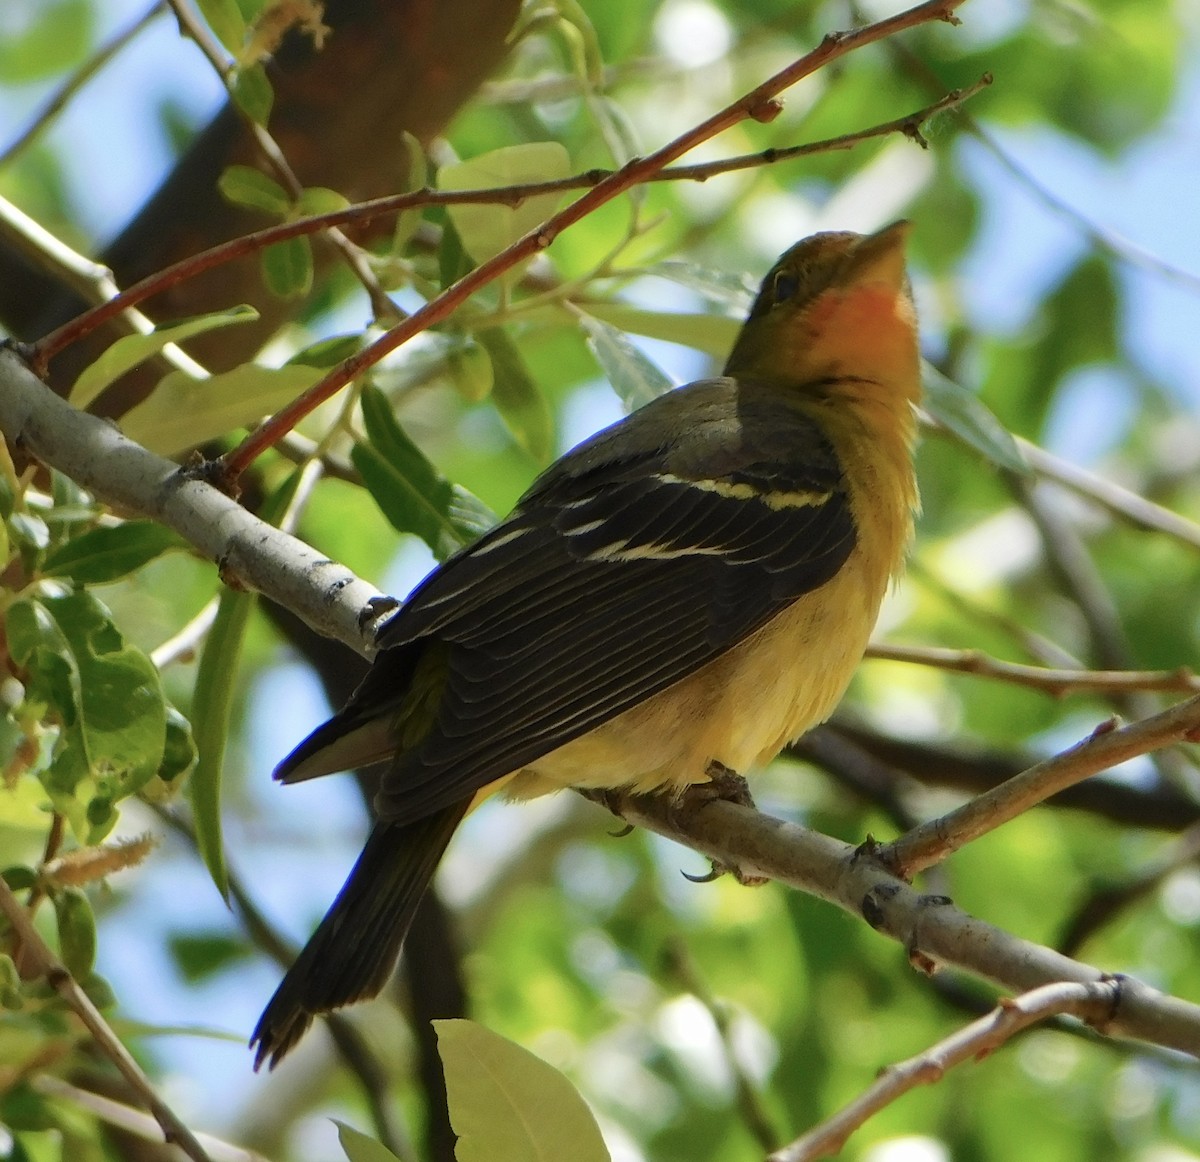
1111 900
92 280
80 77
383 306
360 1061
46 964
749 1102
760 104
1105 747
75 329
1145 514
1056 682
1089 1002
132 1121
182 645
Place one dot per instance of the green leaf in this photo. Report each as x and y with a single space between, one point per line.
635 378
213 701
179 748
516 395
104 554
728 288
76 931
326 353
287 268
212 710
961 412
243 185
361 1148
253 94
182 412
11 997
104 693
56 37
320 200
225 19
415 178
409 490
127 352
470 370
713 334
201 955
486 230
507 1103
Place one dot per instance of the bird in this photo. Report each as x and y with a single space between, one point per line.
685 592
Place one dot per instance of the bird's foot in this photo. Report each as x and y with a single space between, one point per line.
726 786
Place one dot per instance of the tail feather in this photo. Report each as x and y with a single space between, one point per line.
354 950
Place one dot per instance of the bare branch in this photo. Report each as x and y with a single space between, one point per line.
1089 1002
133 1121
250 553
383 306
1121 501
760 104
1056 682
59 100
93 280
931 929
37 954
110 304
1105 747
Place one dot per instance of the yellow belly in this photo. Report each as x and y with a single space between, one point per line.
740 710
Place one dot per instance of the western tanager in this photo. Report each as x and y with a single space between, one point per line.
689 589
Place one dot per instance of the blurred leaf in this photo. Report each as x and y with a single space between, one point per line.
634 376
76 931
104 554
201 955
212 709
183 412
516 396
56 37
960 411
361 1148
130 350
287 268
409 490
179 748
315 200
225 19
486 230
507 1103
104 693
712 334
243 185
326 353
416 178
726 287
470 370
253 93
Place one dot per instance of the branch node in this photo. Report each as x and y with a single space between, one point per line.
765 112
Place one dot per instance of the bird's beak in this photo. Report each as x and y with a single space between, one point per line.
878 257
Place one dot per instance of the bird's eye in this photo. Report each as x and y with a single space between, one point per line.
784 285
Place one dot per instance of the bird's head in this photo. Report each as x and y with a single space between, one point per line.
835 306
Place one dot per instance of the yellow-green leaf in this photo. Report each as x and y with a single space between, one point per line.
506 1103
486 230
127 352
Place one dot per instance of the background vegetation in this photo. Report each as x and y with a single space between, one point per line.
1052 257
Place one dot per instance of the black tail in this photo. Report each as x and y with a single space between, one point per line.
352 953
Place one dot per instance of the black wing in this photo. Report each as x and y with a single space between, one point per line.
637 558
